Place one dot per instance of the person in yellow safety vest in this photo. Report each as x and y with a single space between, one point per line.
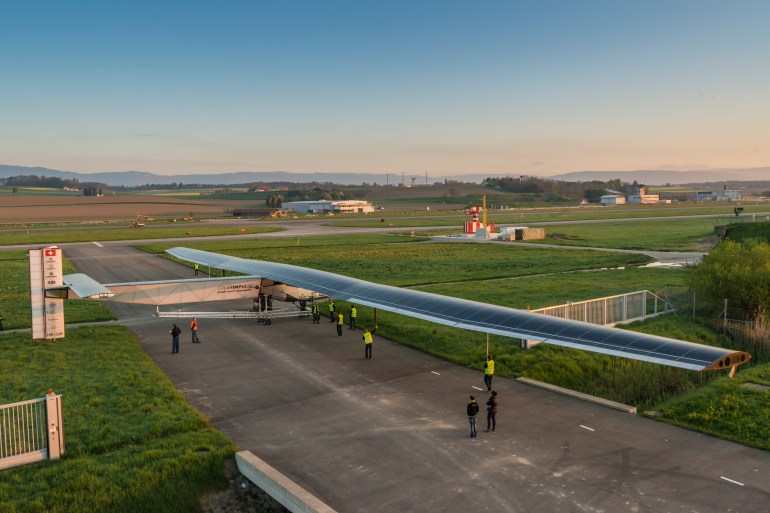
353 315
340 322
331 310
196 269
489 371
194 328
316 314
368 343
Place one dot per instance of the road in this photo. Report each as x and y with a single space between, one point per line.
390 434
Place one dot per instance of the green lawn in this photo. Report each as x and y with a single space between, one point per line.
686 234
719 214
132 442
14 295
97 233
726 408
410 264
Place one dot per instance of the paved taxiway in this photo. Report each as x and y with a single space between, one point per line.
390 434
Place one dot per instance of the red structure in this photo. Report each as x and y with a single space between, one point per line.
470 227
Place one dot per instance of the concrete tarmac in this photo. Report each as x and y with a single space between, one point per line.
391 433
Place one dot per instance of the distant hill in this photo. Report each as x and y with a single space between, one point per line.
137 178
650 177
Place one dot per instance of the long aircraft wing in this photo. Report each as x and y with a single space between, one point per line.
472 315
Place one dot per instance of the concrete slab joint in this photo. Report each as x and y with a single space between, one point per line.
292 496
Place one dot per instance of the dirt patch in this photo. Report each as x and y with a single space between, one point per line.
37 209
242 496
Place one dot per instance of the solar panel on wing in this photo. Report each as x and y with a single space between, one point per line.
480 316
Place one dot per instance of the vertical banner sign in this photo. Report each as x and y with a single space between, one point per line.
45 271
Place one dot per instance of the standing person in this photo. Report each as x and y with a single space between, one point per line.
316 314
491 412
1 322
489 371
473 410
368 343
353 315
340 322
331 309
196 266
175 332
194 328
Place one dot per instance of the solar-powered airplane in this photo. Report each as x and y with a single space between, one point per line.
293 283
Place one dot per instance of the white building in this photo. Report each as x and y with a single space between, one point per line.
611 199
640 197
327 206
350 206
730 195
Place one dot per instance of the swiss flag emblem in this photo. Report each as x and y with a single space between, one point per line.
50 252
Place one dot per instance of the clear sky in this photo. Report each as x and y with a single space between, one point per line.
441 87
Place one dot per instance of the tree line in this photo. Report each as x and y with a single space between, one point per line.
592 190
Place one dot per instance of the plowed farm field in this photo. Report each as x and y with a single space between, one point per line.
38 209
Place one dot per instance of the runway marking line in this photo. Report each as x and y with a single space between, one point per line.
730 480
477 388
436 373
586 427
94 242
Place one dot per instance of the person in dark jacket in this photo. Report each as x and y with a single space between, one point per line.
473 410
491 412
175 332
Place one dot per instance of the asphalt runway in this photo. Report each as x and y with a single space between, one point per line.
390 434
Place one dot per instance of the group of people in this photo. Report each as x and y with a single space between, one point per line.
473 406
175 332
473 411
335 315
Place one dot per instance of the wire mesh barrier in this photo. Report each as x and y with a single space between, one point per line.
612 309
30 431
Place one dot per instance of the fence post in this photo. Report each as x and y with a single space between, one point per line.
55 425
724 321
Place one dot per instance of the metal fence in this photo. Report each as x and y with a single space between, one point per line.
612 309
31 431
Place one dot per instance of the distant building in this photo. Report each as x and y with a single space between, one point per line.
327 206
705 196
730 195
612 199
640 197
349 206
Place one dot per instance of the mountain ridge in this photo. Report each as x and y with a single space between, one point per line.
138 178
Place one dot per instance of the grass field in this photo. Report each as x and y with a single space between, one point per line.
687 234
743 231
58 236
36 191
14 295
132 442
522 217
417 263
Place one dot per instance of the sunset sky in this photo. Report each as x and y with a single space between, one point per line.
440 87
